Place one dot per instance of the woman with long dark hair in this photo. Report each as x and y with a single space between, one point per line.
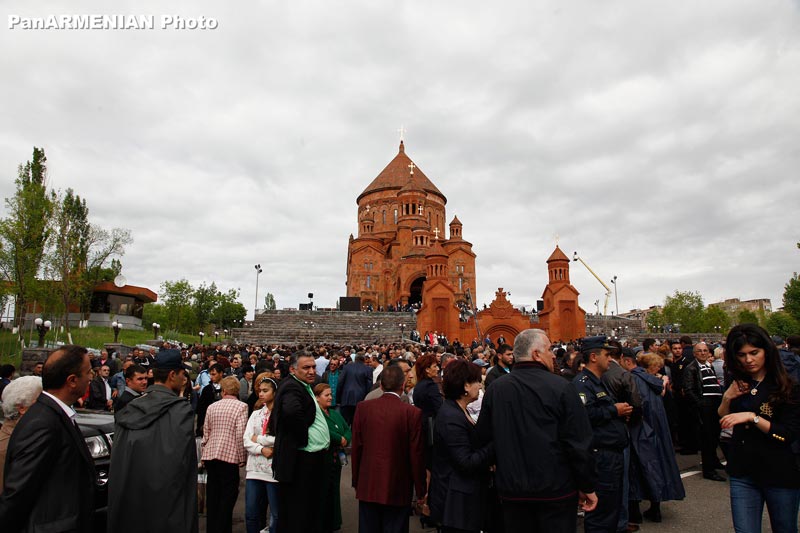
762 405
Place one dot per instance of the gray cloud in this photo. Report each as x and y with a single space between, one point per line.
659 140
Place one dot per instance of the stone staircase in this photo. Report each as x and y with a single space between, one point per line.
316 327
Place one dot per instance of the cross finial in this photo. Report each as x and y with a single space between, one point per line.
420 210
557 237
436 232
402 132
412 166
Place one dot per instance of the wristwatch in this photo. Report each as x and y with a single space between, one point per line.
756 419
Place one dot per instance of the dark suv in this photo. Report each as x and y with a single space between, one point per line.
98 431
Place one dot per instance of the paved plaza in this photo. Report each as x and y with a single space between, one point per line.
706 507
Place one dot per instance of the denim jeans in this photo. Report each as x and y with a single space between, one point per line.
747 506
256 495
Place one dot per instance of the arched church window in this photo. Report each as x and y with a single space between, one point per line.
383 219
395 216
369 281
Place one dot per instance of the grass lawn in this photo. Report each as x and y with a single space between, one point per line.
92 337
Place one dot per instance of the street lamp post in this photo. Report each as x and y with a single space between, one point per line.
402 331
616 301
201 337
156 328
216 336
42 326
116 326
258 273
225 332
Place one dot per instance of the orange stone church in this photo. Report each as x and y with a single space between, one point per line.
402 256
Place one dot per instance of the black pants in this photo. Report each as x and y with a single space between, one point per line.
297 510
348 412
709 433
687 425
377 518
610 468
557 516
221 493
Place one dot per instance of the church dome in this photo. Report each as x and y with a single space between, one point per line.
395 177
558 255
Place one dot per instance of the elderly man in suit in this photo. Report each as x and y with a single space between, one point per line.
387 458
49 477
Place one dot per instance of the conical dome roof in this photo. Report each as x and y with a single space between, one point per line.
395 176
557 255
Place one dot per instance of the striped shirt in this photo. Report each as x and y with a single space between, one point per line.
711 386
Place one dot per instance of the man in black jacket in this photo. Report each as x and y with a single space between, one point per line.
100 397
135 385
301 441
210 394
49 476
505 359
703 395
542 439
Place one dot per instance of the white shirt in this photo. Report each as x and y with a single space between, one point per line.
69 411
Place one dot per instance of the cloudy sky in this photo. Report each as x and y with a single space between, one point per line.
661 140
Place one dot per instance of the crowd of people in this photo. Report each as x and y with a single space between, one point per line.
483 437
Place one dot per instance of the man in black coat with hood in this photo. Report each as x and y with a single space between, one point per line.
153 476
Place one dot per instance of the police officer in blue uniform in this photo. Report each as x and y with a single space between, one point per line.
607 417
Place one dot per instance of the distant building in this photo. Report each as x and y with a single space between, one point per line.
109 304
733 306
640 315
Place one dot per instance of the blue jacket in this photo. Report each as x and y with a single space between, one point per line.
655 473
355 382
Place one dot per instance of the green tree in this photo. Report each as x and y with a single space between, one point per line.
269 302
791 297
177 298
25 231
206 299
783 324
229 308
746 316
154 312
716 320
78 248
685 309
69 249
655 320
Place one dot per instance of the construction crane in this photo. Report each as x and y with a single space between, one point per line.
575 257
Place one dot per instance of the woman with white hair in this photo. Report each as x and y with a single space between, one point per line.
18 396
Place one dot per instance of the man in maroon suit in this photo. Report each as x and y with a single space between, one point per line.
387 458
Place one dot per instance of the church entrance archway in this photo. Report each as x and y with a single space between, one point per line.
416 291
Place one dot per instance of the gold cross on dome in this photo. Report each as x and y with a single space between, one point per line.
436 232
412 166
402 132
420 210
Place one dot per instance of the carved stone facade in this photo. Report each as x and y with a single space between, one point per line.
401 255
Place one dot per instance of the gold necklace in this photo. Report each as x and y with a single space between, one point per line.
754 388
